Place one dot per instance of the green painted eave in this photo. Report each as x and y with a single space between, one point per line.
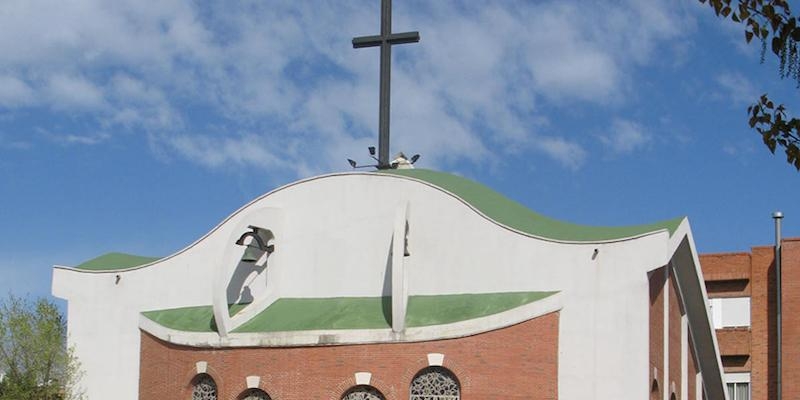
295 314
115 261
516 216
190 319
445 309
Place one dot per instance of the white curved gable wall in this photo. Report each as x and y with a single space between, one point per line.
334 240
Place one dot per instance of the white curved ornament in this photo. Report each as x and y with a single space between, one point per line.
230 263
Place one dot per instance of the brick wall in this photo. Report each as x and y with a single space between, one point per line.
734 342
517 362
762 324
790 294
755 349
675 349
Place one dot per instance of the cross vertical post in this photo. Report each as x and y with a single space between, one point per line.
385 40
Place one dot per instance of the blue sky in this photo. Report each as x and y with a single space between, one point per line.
137 126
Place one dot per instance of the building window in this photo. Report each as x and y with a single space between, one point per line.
204 388
435 383
254 394
363 392
738 386
654 393
730 312
739 391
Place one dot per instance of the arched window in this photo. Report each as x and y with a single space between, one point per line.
654 392
254 394
435 383
363 392
204 388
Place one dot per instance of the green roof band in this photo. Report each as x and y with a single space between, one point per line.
294 314
115 261
516 216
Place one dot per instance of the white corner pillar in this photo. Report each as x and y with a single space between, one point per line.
666 291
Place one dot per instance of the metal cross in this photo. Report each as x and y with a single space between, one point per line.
385 40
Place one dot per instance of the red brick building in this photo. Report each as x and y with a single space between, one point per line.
743 296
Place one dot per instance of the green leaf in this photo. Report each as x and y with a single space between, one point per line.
768 11
777 45
796 34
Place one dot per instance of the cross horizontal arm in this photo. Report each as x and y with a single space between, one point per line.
405 37
367 41
394 38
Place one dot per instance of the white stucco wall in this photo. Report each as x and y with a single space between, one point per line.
333 239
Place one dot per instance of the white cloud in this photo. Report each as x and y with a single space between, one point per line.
569 154
14 92
7 142
73 92
76 139
625 137
741 149
737 88
472 90
244 150
85 139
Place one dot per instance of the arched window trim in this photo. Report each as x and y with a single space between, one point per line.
435 385
204 387
363 392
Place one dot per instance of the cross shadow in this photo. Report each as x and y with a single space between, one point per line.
386 298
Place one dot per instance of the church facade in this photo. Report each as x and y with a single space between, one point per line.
399 284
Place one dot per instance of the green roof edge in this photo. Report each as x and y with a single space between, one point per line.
489 202
518 217
334 313
115 261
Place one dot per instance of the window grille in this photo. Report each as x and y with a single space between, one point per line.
204 388
255 394
363 392
435 383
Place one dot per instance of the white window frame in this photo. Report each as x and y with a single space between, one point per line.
730 312
738 379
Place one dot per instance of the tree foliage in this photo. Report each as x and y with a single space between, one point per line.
34 355
771 22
